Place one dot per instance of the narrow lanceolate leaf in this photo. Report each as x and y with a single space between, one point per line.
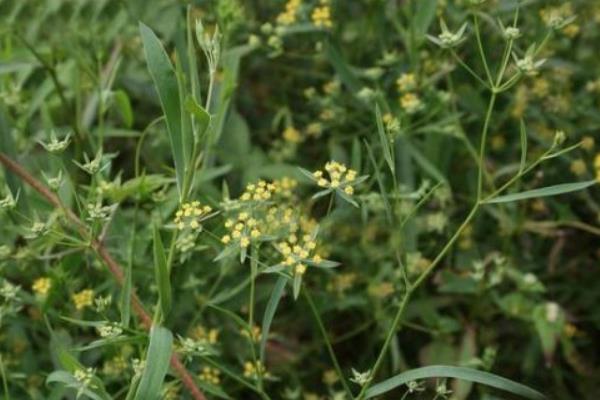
424 17
270 312
445 371
424 163
163 281
523 132
156 365
200 114
164 78
543 192
385 144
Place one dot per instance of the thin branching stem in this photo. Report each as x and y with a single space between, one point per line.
115 269
327 341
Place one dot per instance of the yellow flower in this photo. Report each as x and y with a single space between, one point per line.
321 17
253 370
244 242
340 176
330 377
541 87
254 334
578 167
83 299
411 103
406 82
571 30
314 129
191 214
200 334
292 135
587 143
288 17
498 142
210 375
381 290
42 286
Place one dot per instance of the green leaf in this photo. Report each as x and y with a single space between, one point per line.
270 312
161 270
201 115
523 132
157 364
164 78
385 144
424 163
124 107
386 203
543 192
424 16
446 371
341 68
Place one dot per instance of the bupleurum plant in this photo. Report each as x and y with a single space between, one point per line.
302 199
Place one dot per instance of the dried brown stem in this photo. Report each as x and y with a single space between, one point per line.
114 267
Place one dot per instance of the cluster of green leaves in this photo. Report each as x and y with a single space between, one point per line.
455 264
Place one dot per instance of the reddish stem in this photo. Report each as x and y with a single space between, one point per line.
114 267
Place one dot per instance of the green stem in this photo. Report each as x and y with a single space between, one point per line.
468 69
410 289
482 146
4 381
252 300
481 51
321 326
398 317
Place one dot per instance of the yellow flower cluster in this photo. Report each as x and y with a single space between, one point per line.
262 191
284 187
253 370
292 135
83 299
342 282
190 214
115 366
242 230
42 286
201 334
296 251
321 17
578 167
381 290
587 143
330 377
406 82
210 375
259 191
411 103
254 334
314 129
288 16
339 177
597 166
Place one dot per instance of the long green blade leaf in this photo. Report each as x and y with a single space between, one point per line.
163 281
164 78
424 17
157 364
543 192
385 144
523 132
270 312
446 371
